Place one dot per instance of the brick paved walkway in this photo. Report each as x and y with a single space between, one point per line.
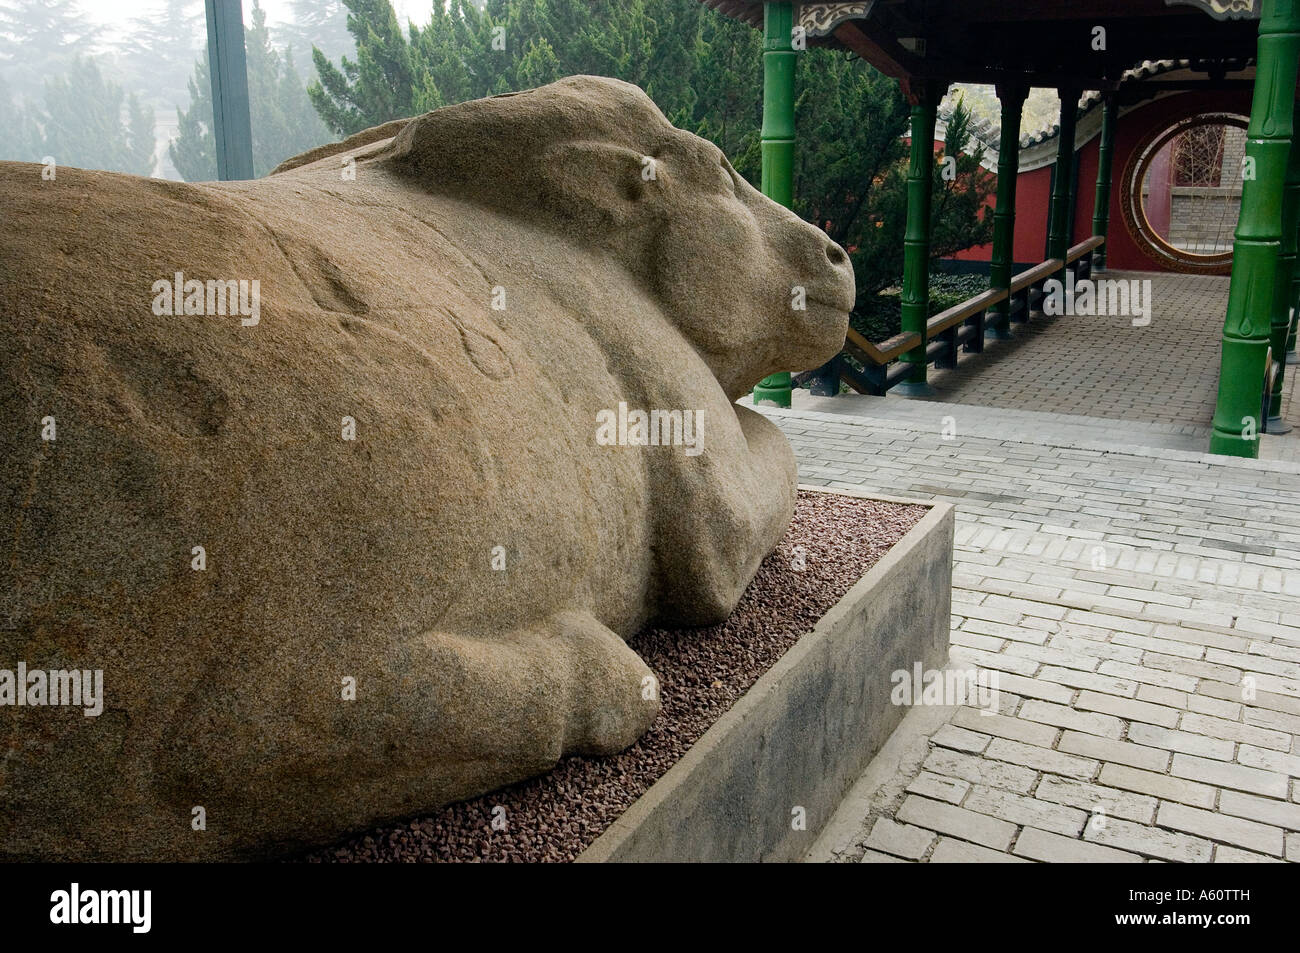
1142 609
1166 372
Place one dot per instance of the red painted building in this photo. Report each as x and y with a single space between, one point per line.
1156 111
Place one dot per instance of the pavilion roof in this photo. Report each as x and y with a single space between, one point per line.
1042 42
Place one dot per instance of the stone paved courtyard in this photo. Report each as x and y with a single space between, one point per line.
1123 598
1138 599
1166 372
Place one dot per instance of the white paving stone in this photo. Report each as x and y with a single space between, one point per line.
1149 668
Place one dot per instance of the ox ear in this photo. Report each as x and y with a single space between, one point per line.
596 182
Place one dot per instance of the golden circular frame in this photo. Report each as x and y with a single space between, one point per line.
1150 242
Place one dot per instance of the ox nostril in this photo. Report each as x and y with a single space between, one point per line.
835 254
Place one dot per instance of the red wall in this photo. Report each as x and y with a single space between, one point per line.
1033 190
1032 193
1123 251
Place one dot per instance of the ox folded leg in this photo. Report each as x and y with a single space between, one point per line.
438 715
566 686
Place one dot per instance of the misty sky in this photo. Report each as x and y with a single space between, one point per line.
123 11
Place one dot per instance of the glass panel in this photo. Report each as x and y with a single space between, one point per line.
124 85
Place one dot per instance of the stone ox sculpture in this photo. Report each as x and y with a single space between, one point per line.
352 550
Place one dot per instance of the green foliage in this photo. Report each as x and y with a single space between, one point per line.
159 51
21 135
961 215
376 87
881 316
83 120
322 23
284 123
40 40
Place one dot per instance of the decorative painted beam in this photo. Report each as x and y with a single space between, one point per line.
1223 9
822 19
777 145
1105 154
231 125
1248 324
925 96
1012 97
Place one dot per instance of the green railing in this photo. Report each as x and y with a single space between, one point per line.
947 334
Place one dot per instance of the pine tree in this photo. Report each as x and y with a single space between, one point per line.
322 24
40 39
20 139
379 85
727 79
960 200
160 51
88 121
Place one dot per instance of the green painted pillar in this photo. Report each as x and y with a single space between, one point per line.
1292 359
1105 154
1293 303
777 144
916 239
1012 97
1058 230
1248 323
1280 328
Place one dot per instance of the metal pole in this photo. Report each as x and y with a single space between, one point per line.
1105 154
777 145
916 239
1248 323
1058 235
231 124
1012 97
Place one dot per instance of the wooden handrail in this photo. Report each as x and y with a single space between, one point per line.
1032 276
960 312
889 350
884 352
1081 249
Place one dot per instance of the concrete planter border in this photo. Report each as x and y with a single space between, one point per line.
808 728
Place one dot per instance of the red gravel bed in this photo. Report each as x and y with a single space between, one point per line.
702 672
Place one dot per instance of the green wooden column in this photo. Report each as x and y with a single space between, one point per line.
1292 359
1280 328
1012 97
1105 154
1293 302
1248 323
1058 231
777 144
916 239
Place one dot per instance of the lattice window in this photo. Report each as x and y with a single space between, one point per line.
1198 156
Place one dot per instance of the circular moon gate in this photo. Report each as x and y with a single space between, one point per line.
1187 225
